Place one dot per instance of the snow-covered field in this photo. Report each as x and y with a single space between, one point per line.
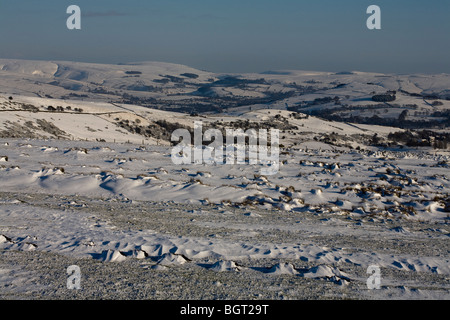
90 182
141 227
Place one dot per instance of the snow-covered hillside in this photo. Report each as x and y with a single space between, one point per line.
33 117
87 179
180 88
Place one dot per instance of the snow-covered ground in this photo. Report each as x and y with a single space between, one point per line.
90 182
311 231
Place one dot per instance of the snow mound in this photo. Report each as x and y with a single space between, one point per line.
140 254
112 256
329 273
27 246
400 230
5 239
283 268
222 266
172 259
157 250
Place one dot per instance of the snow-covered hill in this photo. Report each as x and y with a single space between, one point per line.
33 117
87 179
180 88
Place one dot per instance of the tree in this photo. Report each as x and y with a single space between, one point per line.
384 98
375 139
403 115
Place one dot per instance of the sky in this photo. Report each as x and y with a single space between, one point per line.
234 35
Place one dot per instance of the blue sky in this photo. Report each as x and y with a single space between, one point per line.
234 36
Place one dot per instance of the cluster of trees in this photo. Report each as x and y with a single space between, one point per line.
133 72
160 129
216 104
189 75
325 100
130 99
61 109
73 95
437 119
387 97
423 138
168 78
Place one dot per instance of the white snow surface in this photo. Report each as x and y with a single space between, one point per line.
85 188
334 185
